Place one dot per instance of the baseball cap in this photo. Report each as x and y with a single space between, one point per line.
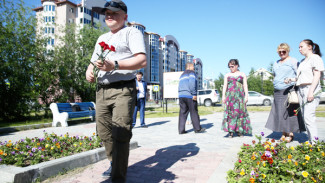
113 5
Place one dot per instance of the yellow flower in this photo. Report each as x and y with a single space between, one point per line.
65 135
318 171
5 154
310 145
80 143
47 145
289 160
296 163
258 163
267 146
253 157
317 159
9 141
289 156
264 164
323 154
38 144
242 172
292 148
263 176
312 178
75 145
320 177
305 174
52 148
304 164
318 149
307 157
306 142
311 150
272 148
94 133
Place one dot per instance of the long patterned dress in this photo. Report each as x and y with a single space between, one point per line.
236 118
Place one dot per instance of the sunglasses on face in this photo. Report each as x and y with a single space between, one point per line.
231 66
282 52
114 4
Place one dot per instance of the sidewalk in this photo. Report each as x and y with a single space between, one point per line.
165 156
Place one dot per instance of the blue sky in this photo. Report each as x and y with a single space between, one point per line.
218 30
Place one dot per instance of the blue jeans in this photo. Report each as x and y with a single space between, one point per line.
140 106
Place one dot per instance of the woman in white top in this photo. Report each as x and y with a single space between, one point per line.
309 72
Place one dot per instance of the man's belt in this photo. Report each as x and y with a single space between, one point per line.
114 85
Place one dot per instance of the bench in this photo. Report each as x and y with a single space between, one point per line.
62 112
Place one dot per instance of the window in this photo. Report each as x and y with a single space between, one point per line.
46 7
50 8
45 19
45 30
52 30
49 30
53 8
53 19
71 10
52 42
81 20
81 9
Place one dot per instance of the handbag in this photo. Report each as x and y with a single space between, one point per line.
293 97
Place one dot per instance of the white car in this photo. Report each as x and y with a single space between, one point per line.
255 98
208 97
322 96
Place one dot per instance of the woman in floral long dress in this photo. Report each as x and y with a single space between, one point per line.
234 98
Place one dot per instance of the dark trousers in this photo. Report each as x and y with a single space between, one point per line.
114 109
188 105
139 107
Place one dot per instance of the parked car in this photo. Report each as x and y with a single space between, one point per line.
322 96
208 97
255 98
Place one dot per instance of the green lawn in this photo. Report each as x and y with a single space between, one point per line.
157 112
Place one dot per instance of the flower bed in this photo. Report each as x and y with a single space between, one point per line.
270 161
28 151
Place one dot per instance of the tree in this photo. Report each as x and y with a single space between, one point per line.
219 83
17 37
72 57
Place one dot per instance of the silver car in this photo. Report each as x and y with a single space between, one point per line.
255 98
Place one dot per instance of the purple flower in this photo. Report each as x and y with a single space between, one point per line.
39 148
41 139
268 154
13 153
54 140
33 149
252 173
43 130
21 152
90 139
0 159
27 146
22 140
42 156
31 154
260 153
262 133
316 138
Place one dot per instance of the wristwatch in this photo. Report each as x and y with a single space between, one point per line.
116 66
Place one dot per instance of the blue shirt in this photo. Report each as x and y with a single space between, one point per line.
187 87
282 71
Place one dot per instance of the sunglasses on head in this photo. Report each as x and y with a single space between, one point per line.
282 52
115 5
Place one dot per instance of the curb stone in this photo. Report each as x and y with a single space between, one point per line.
24 127
47 169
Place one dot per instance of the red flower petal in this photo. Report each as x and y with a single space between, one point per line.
102 44
112 48
106 47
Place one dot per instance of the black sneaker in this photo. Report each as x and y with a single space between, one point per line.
108 172
200 131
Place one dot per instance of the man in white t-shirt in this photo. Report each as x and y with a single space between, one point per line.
116 87
141 100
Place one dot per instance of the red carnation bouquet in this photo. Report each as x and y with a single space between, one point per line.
102 56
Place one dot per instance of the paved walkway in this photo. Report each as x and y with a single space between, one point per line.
166 156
